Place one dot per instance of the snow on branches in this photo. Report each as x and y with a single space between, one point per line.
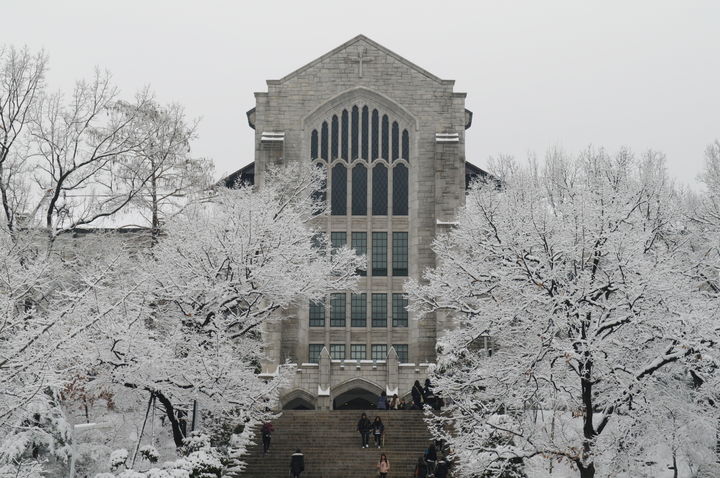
584 280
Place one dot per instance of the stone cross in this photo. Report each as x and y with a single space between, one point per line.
360 59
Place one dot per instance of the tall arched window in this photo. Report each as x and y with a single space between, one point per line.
379 190
338 203
334 141
385 138
354 130
324 141
406 145
365 133
400 190
314 145
344 135
374 135
395 141
359 190
320 193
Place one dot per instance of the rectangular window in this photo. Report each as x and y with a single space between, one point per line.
379 352
358 310
338 239
400 254
317 313
399 311
402 352
314 352
337 351
358 352
318 242
379 253
379 310
337 310
359 243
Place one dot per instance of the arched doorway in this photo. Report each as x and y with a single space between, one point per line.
298 400
355 394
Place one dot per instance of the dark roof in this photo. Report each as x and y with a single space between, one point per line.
244 175
473 173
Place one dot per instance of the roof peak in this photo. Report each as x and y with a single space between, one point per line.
371 42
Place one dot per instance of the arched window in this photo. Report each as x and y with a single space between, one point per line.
324 141
320 193
359 190
385 136
314 144
338 203
400 190
354 130
395 141
406 145
365 133
344 135
379 190
374 135
334 137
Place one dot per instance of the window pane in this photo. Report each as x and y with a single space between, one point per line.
399 311
344 135
402 352
358 310
385 138
317 313
379 310
395 141
338 204
358 352
338 239
365 133
337 351
400 254
400 190
379 253
319 195
334 138
324 140
337 310
406 145
314 144
314 351
359 243
374 136
380 190
359 190
379 352
354 132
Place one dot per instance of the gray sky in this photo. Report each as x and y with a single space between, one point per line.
645 74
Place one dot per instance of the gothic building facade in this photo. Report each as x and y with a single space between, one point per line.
391 137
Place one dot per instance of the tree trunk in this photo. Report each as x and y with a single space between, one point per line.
587 471
177 432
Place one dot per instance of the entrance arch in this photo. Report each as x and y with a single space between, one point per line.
298 399
355 394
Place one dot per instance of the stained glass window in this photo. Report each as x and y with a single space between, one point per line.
400 190
314 351
379 190
358 352
402 352
359 243
338 204
379 253
400 254
379 352
379 310
359 190
358 310
317 313
399 311
337 310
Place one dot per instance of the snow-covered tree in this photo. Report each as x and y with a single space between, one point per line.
583 310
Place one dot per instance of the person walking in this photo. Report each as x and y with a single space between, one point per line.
297 463
420 469
364 426
382 402
428 394
383 466
378 430
266 432
417 393
431 459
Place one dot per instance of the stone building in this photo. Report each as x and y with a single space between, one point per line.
392 138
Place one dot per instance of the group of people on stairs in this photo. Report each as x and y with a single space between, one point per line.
366 428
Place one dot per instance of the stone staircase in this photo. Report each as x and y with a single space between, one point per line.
331 444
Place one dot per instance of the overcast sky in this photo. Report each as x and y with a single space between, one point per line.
645 74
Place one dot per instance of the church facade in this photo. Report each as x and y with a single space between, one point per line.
391 137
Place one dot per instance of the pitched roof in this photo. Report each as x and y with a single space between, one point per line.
374 45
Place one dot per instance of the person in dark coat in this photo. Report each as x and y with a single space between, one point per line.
431 459
428 394
420 469
266 432
297 463
378 430
417 392
364 426
443 468
382 402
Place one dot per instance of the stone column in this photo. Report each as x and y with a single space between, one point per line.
323 402
392 373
